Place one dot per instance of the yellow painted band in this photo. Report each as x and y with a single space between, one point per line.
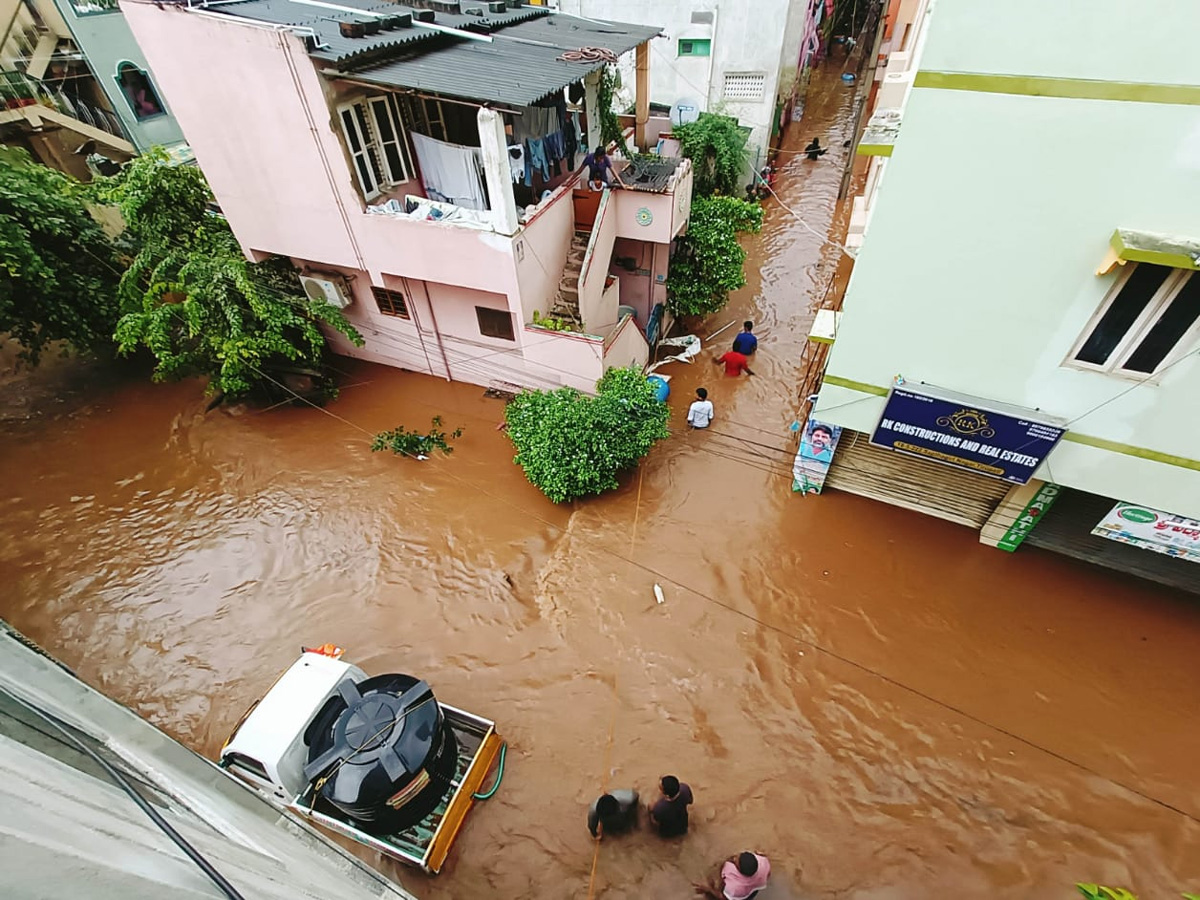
1129 450
1074 437
1069 88
874 150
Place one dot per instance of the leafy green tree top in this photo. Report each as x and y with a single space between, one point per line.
708 261
716 145
59 269
572 445
192 298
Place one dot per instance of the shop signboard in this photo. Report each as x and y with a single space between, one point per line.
986 438
1152 529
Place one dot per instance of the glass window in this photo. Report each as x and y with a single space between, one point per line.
695 47
138 91
390 303
1148 315
496 323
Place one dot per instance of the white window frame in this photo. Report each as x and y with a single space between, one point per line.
374 106
1138 331
366 145
373 147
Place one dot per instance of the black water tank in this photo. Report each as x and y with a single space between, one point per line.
382 752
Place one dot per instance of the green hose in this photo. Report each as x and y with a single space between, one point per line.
499 775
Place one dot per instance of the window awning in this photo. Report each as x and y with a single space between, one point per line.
879 137
1127 245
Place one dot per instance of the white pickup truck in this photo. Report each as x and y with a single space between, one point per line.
378 760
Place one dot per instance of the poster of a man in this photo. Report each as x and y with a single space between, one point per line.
816 453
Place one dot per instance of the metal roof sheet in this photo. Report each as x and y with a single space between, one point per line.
509 70
518 67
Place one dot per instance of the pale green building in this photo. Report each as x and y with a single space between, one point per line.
1028 254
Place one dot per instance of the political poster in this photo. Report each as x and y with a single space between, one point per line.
817 446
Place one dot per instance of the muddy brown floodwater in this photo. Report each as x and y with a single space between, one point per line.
882 705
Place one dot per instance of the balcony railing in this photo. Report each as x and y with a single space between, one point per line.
18 89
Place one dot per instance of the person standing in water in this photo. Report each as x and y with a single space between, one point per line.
814 150
745 343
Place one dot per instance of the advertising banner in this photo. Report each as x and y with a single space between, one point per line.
817 446
1151 529
1030 516
965 433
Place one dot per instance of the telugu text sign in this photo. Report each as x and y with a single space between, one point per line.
1152 529
964 433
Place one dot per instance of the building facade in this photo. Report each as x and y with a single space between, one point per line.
420 167
50 103
728 56
1027 273
99 30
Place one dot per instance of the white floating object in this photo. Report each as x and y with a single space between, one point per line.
658 594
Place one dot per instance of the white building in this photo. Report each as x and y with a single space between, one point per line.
729 56
1030 259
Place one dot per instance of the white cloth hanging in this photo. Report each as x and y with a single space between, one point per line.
516 162
451 171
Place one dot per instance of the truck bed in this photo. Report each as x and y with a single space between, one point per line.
427 843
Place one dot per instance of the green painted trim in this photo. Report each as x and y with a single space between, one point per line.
1070 88
820 339
1158 257
874 150
861 386
1074 437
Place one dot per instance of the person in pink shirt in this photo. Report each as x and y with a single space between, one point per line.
741 878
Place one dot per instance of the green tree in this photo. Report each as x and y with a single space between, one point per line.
1100 892
708 261
59 268
716 145
193 300
572 445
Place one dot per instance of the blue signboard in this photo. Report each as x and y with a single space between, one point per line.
964 433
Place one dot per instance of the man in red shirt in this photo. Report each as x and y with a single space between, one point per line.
735 363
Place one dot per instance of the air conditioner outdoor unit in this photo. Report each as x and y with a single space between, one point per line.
330 288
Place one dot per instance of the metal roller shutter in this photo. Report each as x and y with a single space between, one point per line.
902 480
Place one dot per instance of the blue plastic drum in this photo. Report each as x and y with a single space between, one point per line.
662 390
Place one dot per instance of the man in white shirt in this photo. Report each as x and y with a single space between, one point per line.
700 413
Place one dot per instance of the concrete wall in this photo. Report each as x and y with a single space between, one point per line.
554 351
106 41
69 832
593 277
746 37
978 271
541 252
626 346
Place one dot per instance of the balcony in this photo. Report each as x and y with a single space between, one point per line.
37 103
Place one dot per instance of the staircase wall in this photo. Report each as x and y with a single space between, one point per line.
541 250
593 307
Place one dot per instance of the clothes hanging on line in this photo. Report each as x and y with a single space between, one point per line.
538 158
451 171
516 162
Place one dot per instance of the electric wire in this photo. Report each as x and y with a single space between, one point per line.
124 784
806 642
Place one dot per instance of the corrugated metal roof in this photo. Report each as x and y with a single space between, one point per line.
508 70
518 67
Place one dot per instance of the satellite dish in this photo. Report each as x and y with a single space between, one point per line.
684 110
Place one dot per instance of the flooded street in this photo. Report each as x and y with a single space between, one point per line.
882 705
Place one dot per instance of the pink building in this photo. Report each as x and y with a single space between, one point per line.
418 164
